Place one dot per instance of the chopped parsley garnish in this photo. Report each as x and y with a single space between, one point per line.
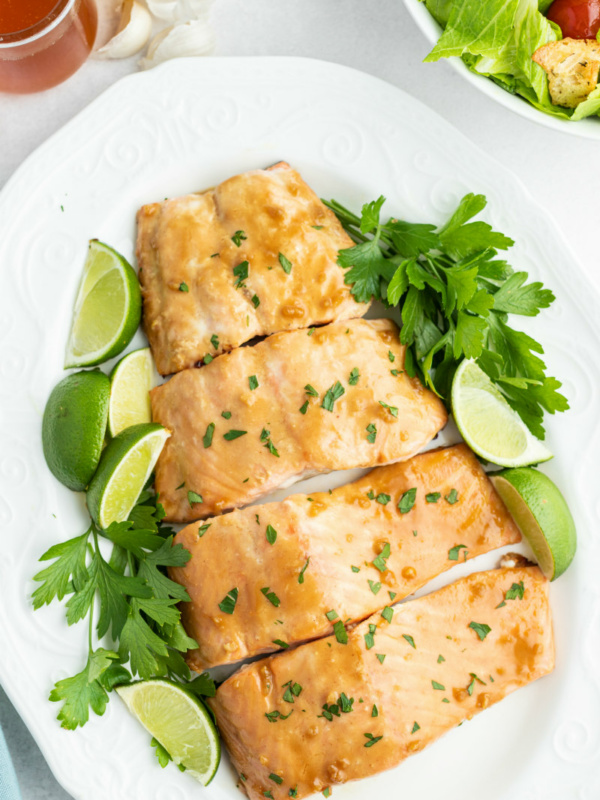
275 778
208 358
274 716
387 613
194 497
380 657
380 561
438 686
371 494
214 340
392 409
371 433
516 591
268 794
293 792
455 297
281 643
416 727
372 739
341 634
208 436
391 356
374 711
407 501
241 273
203 528
392 595
451 497
226 414
238 237
440 659
271 534
303 570
471 686
331 615
304 407
384 499
396 372
370 636
445 700
331 395
355 569
454 552
271 596
433 497
311 331
183 287
255 299
253 382
271 448
345 703
326 792
353 377
374 586
181 485
410 640
310 390
227 604
480 628
233 434
286 264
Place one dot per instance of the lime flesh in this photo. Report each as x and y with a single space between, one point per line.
179 721
487 423
107 310
124 469
543 516
74 426
131 381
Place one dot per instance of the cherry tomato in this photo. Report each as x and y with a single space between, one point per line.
578 19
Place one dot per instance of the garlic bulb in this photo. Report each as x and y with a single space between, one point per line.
179 10
132 34
193 38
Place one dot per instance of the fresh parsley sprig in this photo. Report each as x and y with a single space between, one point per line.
454 296
128 599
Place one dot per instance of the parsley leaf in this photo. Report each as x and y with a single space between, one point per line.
407 501
480 628
228 603
286 264
454 297
331 395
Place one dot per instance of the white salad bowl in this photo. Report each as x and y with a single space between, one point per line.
586 128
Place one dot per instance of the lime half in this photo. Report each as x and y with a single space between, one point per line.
125 466
542 514
130 384
107 310
74 425
179 721
487 423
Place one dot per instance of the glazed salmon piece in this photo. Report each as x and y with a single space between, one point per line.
395 686
188 248
325 554
298 403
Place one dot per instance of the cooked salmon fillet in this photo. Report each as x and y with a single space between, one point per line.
330 542
255 255
395 687
298 403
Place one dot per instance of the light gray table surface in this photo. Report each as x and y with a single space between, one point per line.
378 37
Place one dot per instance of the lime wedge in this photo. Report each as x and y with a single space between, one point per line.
126 464
542 514
487 423
130 384
74 426
179 721
107 310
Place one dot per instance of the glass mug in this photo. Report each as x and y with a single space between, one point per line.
43 42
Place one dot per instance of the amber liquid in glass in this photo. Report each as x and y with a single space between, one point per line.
43 42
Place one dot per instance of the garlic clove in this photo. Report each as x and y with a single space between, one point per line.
194 38
179 10
132 34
